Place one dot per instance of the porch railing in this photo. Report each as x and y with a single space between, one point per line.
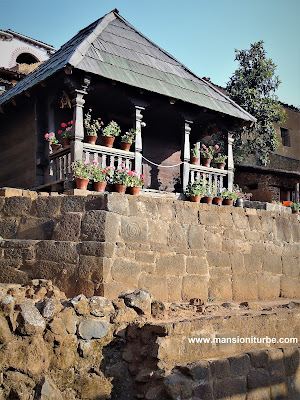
60 165
106 156
212 175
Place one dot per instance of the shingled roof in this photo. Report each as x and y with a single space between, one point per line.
112 48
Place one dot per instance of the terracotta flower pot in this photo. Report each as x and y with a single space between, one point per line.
228 202
91 139
217 201
205 161
295 211
81 183
119 188
99 186
287 203
55 146
125 146
207 200
135 190
65 142
194 160
108 141
221 165
195 199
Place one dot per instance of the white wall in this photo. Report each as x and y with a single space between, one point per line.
11 49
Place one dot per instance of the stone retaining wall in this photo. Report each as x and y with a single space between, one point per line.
178 250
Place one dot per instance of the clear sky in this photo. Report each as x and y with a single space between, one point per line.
202 34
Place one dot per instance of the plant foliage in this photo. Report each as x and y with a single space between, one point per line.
253 87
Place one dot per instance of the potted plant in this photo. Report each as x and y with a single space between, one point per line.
109 133
91 127
66 133
135 181
207 154
295 208
50 137
128 139
220 161
82 174
209 191
217 200
194 156
195 190
99 176
229 197
120 179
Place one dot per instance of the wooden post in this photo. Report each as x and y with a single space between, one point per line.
230 162
297 193
78 131
138 138
186 154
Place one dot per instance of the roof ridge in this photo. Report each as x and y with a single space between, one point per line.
82 48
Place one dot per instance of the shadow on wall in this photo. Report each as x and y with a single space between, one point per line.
137 371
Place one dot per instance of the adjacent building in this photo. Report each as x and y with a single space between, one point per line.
20 55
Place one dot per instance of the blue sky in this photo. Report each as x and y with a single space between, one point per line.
201 34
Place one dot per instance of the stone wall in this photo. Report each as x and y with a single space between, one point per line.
102 245
52 347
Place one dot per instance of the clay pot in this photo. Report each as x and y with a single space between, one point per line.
119 188
207 200
91 139
99 186
125 146
217 201
205 161
295 211
55 146
195 199
194 160
227 202
221 165
287 203
135 190
81 183
65 142
108 141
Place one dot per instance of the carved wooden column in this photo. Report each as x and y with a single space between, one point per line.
78 131
138 138
186 154
230 162
297 193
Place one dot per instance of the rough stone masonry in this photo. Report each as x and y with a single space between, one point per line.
102 245
136 347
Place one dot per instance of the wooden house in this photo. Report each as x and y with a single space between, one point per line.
114 69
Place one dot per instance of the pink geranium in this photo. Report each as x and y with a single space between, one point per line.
47 136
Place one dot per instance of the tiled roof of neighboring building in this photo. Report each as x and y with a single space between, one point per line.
112 48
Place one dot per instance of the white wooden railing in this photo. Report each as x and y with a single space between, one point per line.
106 156
60 164
215 175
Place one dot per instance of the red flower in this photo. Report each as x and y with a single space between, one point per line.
59 132
63 125
104 171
